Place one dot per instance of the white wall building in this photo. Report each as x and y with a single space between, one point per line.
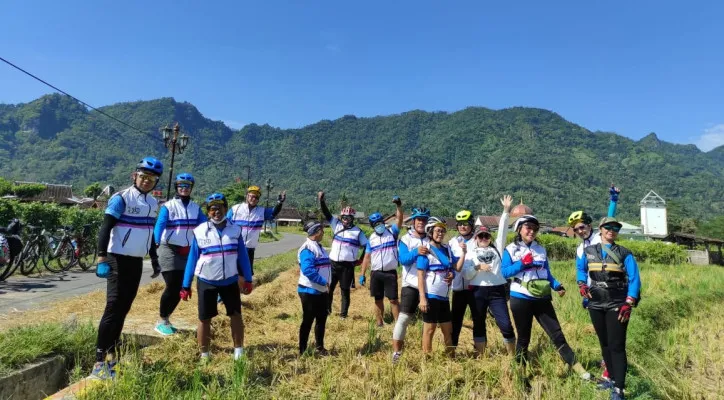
653 215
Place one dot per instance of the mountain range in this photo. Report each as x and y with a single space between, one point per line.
444 160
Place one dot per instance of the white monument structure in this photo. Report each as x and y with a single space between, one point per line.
653 215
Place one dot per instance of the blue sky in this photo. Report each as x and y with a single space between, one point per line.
629 67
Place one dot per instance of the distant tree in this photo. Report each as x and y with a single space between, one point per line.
688 225
29 190
343 201
6 187
93 190
713 228
235 192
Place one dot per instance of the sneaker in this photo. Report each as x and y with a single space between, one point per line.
396 357
103 371
342 316
322 351
165 328
617 394
605 384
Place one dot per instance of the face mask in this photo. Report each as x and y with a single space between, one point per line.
219 221
380 229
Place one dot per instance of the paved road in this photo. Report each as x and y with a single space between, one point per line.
19 293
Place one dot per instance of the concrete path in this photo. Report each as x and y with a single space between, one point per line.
20 293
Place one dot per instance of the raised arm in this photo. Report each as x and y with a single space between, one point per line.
502 235
323 207
614 192
398 210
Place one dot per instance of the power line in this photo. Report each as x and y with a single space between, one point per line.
73 97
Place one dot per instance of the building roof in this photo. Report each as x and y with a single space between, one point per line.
289 213
564 230
652 199
520 209
55 193
490 221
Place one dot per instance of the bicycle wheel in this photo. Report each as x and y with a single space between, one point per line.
63 260
27 266
87 256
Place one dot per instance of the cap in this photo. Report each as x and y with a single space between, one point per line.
609 221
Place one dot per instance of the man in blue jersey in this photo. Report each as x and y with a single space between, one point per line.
382 257
125 238
250 217
221 265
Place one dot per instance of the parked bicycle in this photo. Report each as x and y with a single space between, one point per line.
85 247
34 246
59 253
15 244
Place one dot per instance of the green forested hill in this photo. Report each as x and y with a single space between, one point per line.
467 158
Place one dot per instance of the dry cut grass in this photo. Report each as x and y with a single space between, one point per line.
674 342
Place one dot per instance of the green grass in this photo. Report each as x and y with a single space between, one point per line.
267 237
673 346
27 344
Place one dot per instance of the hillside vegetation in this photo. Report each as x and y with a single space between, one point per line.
446 160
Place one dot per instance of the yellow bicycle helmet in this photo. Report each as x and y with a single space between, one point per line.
254 189
579 216
464 216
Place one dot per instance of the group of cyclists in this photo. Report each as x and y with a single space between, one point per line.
215 244
440 279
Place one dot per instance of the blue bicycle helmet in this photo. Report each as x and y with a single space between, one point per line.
420 212
375 218
215 199
185 178
151 165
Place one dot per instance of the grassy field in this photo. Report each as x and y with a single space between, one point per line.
675 341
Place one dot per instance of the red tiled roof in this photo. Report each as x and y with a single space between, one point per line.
566 230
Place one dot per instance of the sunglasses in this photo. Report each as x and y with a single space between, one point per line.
484 236
183 186
253 196
347 217
579 228
147 177
215 208
614 228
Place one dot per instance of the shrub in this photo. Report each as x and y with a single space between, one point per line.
654 252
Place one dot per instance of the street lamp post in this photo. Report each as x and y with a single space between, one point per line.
172 140
269 187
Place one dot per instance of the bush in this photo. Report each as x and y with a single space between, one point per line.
653 252
48 215
29 190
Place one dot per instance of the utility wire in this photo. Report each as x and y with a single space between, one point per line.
73 97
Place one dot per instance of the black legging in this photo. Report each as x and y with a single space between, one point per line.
342 273
523 313
461 300
250 252
612 337
121 289
170 297
314 307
